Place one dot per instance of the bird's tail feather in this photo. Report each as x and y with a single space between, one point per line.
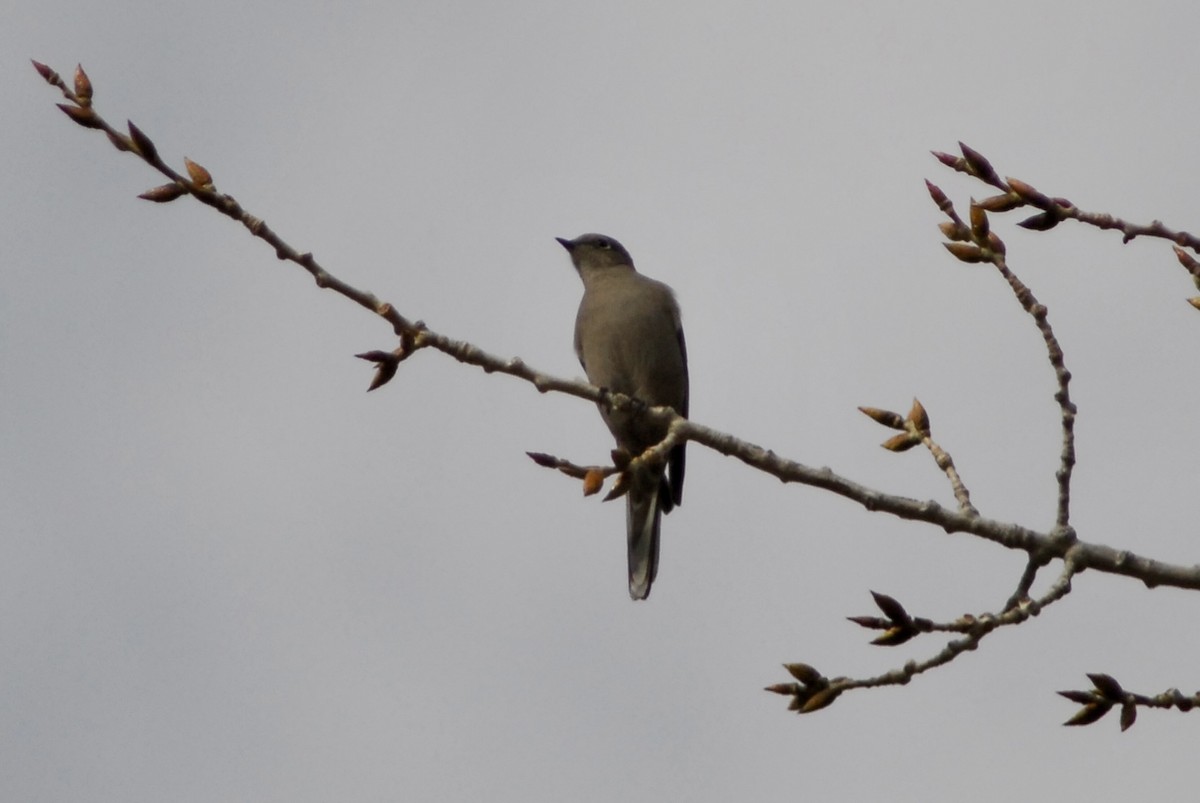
642 519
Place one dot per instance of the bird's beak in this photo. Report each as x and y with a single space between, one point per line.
567 244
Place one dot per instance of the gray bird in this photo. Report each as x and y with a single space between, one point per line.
629 340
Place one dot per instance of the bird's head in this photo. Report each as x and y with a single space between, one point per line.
595 252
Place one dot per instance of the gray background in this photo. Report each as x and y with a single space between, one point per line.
229 574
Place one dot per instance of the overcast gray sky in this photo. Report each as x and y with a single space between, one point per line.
230 574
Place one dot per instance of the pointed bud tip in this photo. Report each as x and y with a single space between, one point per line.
1128 716
142 143
1092 712
936 193
782 688
198 174
541 458
891 607
918 416
1043 222
1001 203
48 74
955 231
948 159
978 163
163 193
821 699
804 673
83 85
899 443
80 114
885 417
1107 685
965 252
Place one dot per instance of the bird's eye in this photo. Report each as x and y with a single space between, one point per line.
603 243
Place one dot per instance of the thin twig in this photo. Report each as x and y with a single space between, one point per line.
946 463
976 242
814 691
1067 409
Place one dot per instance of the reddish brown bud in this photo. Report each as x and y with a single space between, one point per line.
593 481
953 230
142 143
1043 222
939 197
895 636
995 243
163 193
918 416
386 362
80 114
49 75
803 673
966 252
1001 203
979 165
891 608
198 174
383 374
979 220
949 160
83 86
1028 194
1089 714
899 443
885 417
1187 260
821 699
784 688
1128 716
1107 685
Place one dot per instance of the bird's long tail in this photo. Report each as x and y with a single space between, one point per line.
642 516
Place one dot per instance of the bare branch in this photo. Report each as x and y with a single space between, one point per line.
1025 583
917 429
986 246
1059 543
1106 693
1066 407
902 627
971 240
1018 193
